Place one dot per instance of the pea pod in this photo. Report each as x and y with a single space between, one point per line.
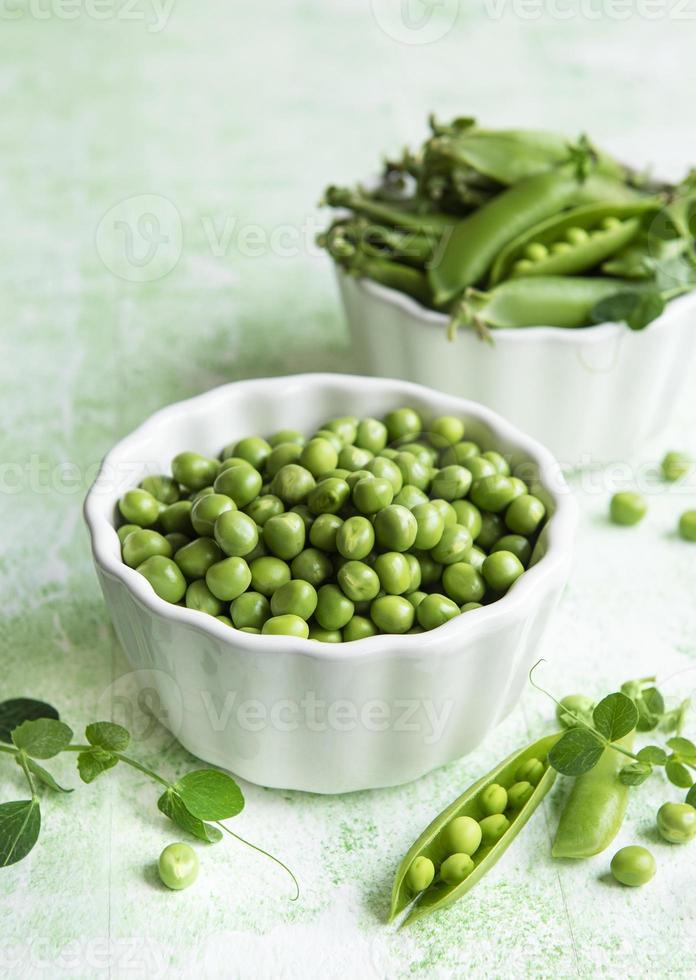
573 242
394 275
431 843
595 809
395 214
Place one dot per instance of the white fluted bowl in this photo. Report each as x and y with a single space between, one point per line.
592 395
300 714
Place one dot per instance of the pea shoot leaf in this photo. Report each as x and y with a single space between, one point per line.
678 774
44 776
651 707
43 738
652 754
108 735
93 763
20 823
576 752
615 716
635 774
635 308
683 747
172 806
17 710
691 796
210 795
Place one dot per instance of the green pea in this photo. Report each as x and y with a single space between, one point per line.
463 583
338 474
286 626
313 566
263 508
224 619
142 544
523 267
435 610
356 475
325 636
236 533
674 466
576 236
415 598
242 483
307 517
561 248
395 528
139 507
677 822
420 874
176 518
386 469
493 799
260 551
194 471
493 828
515 543
319 456
462 835
292 483
393 571
525 514
519 794
415 570
536 251
358 581
178 866
372 494
351 458
346 427
470 606
456 868
199 596
445 431
446 509
356 537
424 454
125 530
403 423
468 516
324 531
456 455
254 450
580 705
284 535
453 546
358 628
392 614
430 526
372 435
162 488
333 437
610 222
493 493
250 629
165 577
687 525
206 510
413 472
228 578
627 508
475 557
297 598
501 569
389 453
195 559
228 462
530 771
286 435
177 540
431 571
282 455
633 866
250 609
268 574
328 496
479 467
334 609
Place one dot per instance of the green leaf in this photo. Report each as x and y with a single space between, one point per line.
678 774
635 774
684 747
172 806
652 754
93 763
20 823
17 710
691 796
43 738
210 795
45 776
576 752
615 716
651 707
108 735
636 308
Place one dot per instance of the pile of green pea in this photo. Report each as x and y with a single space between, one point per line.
369 526
536 254
627 507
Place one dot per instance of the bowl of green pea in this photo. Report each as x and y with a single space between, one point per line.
332 582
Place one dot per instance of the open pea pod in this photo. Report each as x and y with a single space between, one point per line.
573 242
430 843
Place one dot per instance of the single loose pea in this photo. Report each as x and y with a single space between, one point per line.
284 535
324 531
319 456
393 571
517 544
470 606
435 610
493 799
250 609
199 596
206 510
410 497
351 458
392 614
576 236
334 609
633 866
356 537
415 598
492 529
263 508
142 544
313 566
282 455
358 628
325 636
451 483
674 466
424 454
479 467
163 488
242 483
195 559
139 507
165 577
525 514
493 493
455 455
535 251
286 435
445 431
286 626
201 493
519 794
431 571
627 508
468 515
687 525
403 423
355 475
430 525
475 557
416 575
125 530
268 574
581 707
178 866
453 545
462 836
372 435
346 427
463 583
501 569
493 828
236 533
176 518
677 822
358 581
228 578
296 597
224 619
395 528
254 450
194 471
456 868
530 771
446 510
413 471
292 484
420 874
328 496
386 469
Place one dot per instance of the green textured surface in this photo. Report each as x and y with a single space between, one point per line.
234 117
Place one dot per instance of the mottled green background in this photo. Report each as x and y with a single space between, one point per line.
233 116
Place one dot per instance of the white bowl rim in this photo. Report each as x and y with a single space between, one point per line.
560 530
597 333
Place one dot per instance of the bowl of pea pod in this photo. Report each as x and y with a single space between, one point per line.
328 582
528 271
